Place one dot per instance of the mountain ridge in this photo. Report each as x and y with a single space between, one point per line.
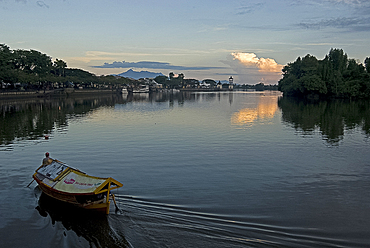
139 74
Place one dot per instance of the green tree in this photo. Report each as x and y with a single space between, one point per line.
289 83
80 76
7 72
338 63
60 67
338 59
309 65
171 75
312 84
32 62
334 76
180 78
367 64
161 79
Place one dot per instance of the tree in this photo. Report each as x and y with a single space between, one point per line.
7 73
367 64
180 78
60 67
338 59
312 84
289 83
34 64
161 79
81 76
33 67
171 75
334 76
309 65
5 55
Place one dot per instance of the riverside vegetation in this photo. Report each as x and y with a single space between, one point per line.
336 76
35 70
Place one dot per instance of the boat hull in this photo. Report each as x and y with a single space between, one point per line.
101 205
65 183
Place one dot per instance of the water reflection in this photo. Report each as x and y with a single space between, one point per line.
34 118
265 109
155 97
331 118
94 228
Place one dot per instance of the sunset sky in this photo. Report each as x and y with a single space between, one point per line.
249 40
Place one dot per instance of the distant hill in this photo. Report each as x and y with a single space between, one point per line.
139 74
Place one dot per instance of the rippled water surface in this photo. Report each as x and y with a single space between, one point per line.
239 169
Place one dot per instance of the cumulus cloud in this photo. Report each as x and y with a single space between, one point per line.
251 69
251 60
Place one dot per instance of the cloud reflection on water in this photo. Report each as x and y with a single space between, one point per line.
265 110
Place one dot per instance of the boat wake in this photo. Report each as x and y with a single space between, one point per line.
155 224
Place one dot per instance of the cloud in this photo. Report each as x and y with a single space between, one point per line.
354 24
355 16
251 69
263 65
353 2
42 4
249 8
152 65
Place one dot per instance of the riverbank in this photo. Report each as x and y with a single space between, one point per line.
54 93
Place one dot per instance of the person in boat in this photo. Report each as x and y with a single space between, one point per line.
47 160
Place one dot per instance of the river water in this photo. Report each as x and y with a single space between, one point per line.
239 169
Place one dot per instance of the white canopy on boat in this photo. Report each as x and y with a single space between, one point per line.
66 179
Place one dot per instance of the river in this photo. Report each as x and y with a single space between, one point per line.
211 169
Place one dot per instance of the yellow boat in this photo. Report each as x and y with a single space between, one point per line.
64 183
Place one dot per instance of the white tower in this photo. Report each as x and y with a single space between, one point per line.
231 80
231 83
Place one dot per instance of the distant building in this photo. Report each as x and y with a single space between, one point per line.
231 80
219 85
204 85
231 83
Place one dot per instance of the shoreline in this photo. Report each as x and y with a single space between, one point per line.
53 93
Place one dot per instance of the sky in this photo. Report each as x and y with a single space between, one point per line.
203 39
